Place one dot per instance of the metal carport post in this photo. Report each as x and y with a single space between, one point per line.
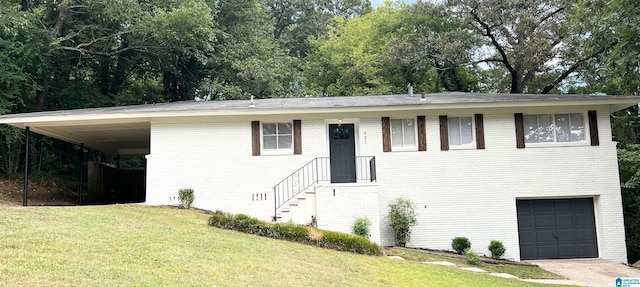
81 174
26 167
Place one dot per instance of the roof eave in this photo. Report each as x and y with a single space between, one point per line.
146 116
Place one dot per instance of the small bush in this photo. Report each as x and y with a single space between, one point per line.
186 196
361 227
472 257
290 232
350 243
221 219
460 244
295 233
402 217
497 249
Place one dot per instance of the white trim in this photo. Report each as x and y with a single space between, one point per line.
356 133
146 116
278 151
555 143
404 146
469 146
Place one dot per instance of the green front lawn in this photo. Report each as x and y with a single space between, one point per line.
516 270
146 246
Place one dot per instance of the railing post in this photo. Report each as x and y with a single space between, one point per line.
372 169
275 205
317 177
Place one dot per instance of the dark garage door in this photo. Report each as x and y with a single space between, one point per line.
557 228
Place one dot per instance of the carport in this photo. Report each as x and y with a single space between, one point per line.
104 130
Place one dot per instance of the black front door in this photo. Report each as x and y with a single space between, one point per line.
342 149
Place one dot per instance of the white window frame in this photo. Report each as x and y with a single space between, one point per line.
277 151
472 144
555 141
405 146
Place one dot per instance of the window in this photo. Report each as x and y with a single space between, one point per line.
403 133
460 131
277 136
545 128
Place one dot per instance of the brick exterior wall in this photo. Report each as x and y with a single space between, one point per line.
459 192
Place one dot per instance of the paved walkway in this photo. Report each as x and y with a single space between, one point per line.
586 272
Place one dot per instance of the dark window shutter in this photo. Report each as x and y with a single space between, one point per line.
422 134
479 131
519 119
255 137
386 134
444 133
297 137
593 128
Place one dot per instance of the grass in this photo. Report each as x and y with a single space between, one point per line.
146 246
516 270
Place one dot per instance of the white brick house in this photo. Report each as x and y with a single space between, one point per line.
538 172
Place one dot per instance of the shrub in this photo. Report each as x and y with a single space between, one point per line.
350 242
221 219
361 227
472 257
402 217
295 233
290 232
497 249
186 196
460 244
249 225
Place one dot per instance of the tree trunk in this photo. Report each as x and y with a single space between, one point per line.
120 74
45 85
517 86
25 5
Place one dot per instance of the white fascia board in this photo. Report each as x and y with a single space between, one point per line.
131 117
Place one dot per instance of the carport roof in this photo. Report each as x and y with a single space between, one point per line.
126 129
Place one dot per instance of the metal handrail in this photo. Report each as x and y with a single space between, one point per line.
314 171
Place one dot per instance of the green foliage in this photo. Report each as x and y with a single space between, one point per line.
383 51
472 257
629 168
186 197
295 233
361 227
497 249
12 140
402 217
547 31
248 61
621 64
295 22
460 244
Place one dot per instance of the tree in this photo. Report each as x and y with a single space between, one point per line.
20 57
295 22
384 51
248 61
539 43
629 164
94 48
618 70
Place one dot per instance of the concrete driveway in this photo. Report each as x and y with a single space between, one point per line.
586 272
